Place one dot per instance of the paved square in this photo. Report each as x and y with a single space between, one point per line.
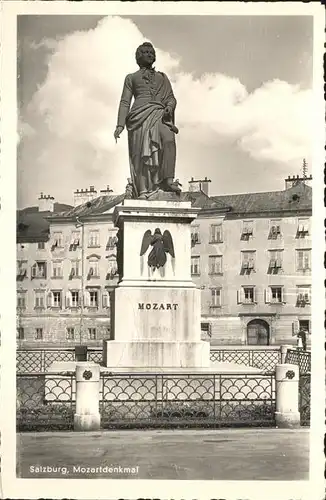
228 454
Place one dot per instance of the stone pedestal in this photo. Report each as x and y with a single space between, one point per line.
155 315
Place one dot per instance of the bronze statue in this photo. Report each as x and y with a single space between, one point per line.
150 125
162 244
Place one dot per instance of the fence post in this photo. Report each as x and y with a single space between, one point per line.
87 416
284 350
287 396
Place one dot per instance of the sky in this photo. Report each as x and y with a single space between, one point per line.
242 84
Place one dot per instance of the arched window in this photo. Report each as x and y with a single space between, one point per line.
258 332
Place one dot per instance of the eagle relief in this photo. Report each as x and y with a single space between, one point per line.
161 243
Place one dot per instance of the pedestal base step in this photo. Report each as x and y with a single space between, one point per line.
153 354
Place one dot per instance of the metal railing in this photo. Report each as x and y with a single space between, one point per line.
264 359
187 400
45 402
39 360
305 398
300 358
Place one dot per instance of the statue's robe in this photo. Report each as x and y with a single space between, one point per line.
152 149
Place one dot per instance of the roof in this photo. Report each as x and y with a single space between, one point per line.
201 200
99 205
33 226
296 198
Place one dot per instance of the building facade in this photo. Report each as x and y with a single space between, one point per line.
251 258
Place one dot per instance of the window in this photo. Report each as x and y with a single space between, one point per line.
74 270
206 329
247 230
275 229
39 299
195 238
112 268
215 264
275 261
303 229
20 333
304 324
195 265
303 296
247 295
92 296
75 240
247 262
75 299
303 260
39 333
57 240
274 295
57 269
21 269
39 270
92 333
94 238
106 299
93 269
54 298
216 235
112 240
216 297
41 245
21 300
70 334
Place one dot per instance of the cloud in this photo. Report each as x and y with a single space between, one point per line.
76 107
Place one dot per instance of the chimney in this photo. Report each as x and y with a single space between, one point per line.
108 190
45 203
201 185
82 196
296 179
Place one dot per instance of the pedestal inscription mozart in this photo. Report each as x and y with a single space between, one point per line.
150 125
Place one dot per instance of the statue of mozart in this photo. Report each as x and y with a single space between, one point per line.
150 125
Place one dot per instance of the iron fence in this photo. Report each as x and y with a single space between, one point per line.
45 402
95 355
300 358
39 360
188 400
264 359
305 398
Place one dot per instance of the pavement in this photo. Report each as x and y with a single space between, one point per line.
222 454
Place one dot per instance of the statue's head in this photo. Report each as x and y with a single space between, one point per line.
145 55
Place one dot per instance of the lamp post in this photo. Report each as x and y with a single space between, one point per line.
81 321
